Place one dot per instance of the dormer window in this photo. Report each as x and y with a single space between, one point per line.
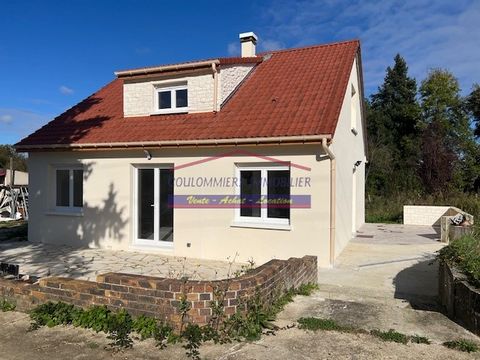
171 99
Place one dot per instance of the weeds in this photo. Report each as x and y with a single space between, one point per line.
6 305
390 335
243 325
315 324
417 339
462 345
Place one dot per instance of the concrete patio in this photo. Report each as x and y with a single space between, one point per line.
43 260
385 278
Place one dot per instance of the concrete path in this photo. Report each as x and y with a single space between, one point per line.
386 278
42 260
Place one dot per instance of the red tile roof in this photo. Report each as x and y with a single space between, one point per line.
295 92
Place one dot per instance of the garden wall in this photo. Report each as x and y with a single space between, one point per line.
161 297
460 300
424 215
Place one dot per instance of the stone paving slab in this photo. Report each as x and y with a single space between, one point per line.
43 260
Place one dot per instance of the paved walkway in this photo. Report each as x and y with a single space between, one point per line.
385 278
59 260
394 260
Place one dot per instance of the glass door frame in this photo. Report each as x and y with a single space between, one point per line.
155 242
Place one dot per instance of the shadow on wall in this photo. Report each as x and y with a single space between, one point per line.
418 284
105 221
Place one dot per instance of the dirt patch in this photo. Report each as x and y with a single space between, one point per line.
73 343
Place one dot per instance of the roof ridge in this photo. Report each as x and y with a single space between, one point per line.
307 47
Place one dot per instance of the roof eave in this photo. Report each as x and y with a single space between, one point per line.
302 139
165 68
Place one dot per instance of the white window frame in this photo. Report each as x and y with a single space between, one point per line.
158 88
263 219
70 207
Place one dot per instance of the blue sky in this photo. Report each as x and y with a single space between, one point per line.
55 53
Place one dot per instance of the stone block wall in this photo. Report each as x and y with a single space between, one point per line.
160 297
138 95
424 215
460 300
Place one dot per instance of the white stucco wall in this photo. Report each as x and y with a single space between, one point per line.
107 220
138 95
350 185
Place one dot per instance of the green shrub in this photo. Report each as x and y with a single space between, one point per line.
193 336
95 318
6 305
52 314
462 345
464 253
390 335
119 328
146 327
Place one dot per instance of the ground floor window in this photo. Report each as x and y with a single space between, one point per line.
264 193
69 188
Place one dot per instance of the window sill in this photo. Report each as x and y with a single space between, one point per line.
142 247
170 111
64 213
258 225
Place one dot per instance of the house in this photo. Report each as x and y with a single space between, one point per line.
260 156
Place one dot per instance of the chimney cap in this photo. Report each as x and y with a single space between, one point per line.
248 36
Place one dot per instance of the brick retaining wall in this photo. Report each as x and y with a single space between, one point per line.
460 300
160 297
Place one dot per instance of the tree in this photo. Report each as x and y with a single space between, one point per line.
19 161
449 151
393 116
473 106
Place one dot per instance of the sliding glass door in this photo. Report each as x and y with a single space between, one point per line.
154 206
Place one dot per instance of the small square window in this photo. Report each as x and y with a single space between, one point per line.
171 99
265 194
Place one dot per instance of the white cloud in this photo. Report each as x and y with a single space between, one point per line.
65 90
233 49
6 118
428 33
270 45
19 123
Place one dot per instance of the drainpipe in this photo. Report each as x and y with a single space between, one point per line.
331 155
215 86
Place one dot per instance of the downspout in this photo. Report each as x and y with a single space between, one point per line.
215 86
333 190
